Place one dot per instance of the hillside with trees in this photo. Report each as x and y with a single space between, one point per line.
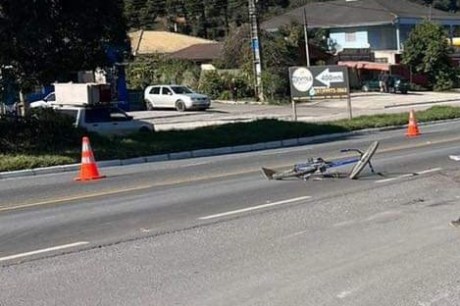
213 19
227 21
210 19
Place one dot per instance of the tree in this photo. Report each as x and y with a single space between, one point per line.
444 5
278 53
142 14
205 18
427 51
45 40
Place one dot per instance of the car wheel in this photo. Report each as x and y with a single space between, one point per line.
180 106
365 88
148 105
144 129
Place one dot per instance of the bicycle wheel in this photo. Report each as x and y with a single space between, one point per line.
364 160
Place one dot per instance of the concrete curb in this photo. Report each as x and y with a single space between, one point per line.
16 174
420 103
202 152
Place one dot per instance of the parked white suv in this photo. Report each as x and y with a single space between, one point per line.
174 96
105 119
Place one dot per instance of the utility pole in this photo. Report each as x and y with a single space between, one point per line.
305 31
255 45
429 4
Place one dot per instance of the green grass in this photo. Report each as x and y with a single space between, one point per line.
18 162
211 137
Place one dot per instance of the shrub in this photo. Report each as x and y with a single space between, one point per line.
156 69
215 83
243 86
212 84
41 130
225 95
443 80
275 85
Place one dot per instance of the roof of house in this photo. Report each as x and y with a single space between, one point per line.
147 42
352 13
199 52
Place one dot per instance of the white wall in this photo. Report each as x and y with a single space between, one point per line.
352 38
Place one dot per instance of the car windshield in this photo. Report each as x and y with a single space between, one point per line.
50 97
181 90
105 114
97 115
117 114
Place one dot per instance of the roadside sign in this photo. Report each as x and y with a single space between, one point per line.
322 81
319 81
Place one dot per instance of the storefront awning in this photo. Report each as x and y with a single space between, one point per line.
365 65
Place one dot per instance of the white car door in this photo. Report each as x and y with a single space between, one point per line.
122 123
109 120
167 97
98 120
154 96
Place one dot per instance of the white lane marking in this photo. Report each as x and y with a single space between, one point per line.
194 164
408 175
394 178
442 296
56 248
429 171
346 293
233 212
343 294
294 235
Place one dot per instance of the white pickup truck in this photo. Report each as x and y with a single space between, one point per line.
88 105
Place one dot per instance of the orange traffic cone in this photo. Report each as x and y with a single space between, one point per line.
412 128
88 168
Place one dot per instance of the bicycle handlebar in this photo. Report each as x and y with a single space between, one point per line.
349 150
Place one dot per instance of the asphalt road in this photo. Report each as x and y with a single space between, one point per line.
212 231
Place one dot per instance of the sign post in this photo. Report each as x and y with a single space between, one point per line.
294 111
350 115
